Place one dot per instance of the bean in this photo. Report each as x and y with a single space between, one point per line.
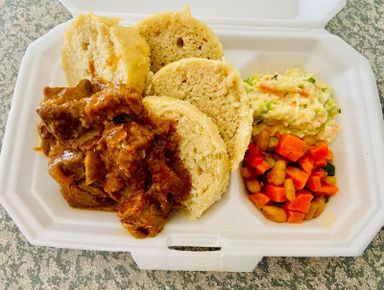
280 165
245 172
262 139
272 143
320 203
255 131
270 161
253 185
277 174
330 180
312 210
274 213
310 140
289 188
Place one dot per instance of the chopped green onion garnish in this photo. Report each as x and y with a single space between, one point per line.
311 80
249 81
275 77
265 108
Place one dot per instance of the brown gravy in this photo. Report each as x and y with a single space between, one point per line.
108 152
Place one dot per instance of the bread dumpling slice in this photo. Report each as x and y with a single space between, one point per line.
98 47
202 151
215 88
176 35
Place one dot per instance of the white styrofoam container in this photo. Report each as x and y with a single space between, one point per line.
257 36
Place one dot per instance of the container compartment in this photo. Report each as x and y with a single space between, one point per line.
350 220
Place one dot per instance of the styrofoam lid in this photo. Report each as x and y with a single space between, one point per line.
277 13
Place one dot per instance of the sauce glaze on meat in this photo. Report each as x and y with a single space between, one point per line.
108 152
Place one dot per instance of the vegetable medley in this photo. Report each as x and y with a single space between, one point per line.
289 179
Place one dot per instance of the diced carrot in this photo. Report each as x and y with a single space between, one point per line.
306 163
304 93
256 160
255 151
329 156
247 160
295 217
320 172
319 151
266 89
251 153
260 165
302 192
299 177
320 162
302 203
252 150
314 183
291 147
276 193
328 189
259 199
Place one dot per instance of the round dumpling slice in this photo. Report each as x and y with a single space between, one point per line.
98 47
177 35
202 151
215 88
